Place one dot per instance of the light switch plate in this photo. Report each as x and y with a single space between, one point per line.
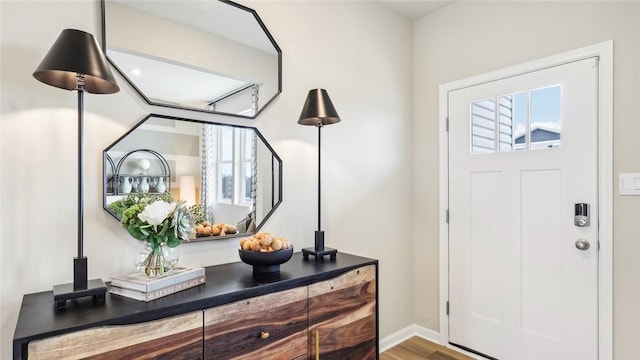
629 184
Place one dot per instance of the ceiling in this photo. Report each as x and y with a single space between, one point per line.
414 9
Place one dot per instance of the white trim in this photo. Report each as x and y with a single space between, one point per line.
605 214
426 333
416 330
604 51
407 333
396 338
443 181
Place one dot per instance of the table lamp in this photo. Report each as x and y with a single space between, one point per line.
318 111
76 62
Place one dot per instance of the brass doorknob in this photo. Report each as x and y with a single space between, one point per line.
264 335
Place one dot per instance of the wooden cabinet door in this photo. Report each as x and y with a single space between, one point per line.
178 337
342 316
272 326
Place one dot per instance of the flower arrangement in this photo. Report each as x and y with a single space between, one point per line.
158 223
119 206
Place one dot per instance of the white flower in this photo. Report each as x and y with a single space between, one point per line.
156 212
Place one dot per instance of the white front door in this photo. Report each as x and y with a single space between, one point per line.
523 151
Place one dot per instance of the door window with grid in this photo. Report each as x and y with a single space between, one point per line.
523 120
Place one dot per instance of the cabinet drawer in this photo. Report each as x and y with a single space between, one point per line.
342 316
272 326
178 337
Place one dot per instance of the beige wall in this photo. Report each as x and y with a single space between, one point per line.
471 38
361 54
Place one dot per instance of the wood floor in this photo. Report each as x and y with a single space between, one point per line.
418 348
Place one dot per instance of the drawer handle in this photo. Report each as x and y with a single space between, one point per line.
317 345
264 335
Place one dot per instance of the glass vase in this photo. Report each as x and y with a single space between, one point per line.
156 261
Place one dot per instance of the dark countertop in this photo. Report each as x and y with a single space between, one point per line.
225 283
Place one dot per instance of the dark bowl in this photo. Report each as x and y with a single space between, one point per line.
266 262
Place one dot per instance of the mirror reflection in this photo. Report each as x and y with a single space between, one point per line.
228 172
211 56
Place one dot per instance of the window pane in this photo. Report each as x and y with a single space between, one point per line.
519 120
483 126
505 130
545 117
248 143
226 181
247 182
226 143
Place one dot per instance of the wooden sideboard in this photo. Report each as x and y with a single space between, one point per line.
310 310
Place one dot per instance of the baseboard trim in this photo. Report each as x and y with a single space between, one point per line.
404 334
416 330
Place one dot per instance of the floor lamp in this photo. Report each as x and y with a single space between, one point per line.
318 111
76 62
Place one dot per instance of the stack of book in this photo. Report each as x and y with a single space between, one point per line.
140 287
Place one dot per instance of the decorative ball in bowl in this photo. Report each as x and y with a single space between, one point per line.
264 252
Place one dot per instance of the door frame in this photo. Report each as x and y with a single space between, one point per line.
604 51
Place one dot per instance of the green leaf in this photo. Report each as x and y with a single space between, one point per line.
135 232
172 240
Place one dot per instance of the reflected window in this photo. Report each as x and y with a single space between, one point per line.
235 165
518 121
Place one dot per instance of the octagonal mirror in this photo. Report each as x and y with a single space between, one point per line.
229 173
209 56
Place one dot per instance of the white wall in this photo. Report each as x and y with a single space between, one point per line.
361 54
471 38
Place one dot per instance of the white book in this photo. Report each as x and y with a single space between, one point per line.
140 282
155 294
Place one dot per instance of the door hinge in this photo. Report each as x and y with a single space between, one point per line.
598 245
447 124
447 308
446 215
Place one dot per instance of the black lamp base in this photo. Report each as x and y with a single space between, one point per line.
80 286
64 292
319 251
319 255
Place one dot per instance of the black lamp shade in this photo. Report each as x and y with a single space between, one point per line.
77 52
318 109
